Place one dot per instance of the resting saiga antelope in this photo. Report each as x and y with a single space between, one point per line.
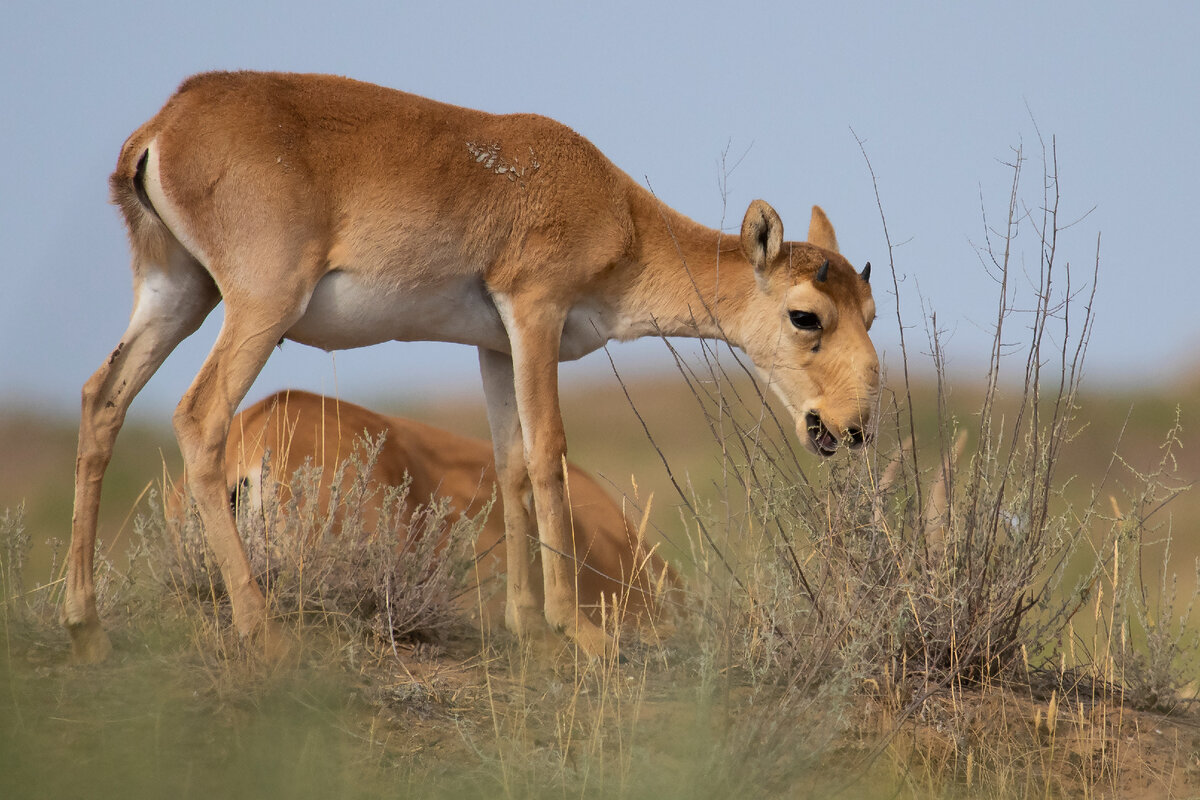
613 564
341 214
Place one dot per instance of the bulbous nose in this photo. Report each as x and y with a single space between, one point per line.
822 439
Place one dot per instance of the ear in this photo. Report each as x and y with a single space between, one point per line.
762 236
820 231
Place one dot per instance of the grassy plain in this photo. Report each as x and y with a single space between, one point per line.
727 704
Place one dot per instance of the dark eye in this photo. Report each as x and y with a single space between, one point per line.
805 320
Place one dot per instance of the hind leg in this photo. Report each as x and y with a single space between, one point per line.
170 303
252 328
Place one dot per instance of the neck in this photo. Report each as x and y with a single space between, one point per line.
685 279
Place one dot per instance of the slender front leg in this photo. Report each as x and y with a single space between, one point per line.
534 330
523 605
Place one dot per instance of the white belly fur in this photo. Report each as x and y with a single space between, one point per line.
346 312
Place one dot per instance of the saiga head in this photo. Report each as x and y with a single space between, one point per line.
807 329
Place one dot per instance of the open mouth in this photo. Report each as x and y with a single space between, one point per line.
823 440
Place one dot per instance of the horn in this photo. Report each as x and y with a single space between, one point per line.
823 272
866 273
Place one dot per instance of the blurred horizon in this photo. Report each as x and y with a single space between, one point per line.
642 370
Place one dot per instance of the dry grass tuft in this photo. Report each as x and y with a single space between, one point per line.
400 581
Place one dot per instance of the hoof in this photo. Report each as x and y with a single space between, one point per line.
591 640
271 642
524 621
89 643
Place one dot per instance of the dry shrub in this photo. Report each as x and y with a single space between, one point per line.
14 551
30 599
1144 640
315 557
945 557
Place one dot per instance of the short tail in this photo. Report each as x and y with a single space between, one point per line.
127 184
127 188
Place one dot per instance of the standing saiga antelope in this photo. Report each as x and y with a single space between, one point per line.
341 214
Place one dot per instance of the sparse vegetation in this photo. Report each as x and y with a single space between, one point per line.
948 612
395 580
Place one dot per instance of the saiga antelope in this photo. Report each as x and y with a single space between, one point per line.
342 214
612 563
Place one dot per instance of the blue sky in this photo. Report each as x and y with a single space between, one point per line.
941 94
